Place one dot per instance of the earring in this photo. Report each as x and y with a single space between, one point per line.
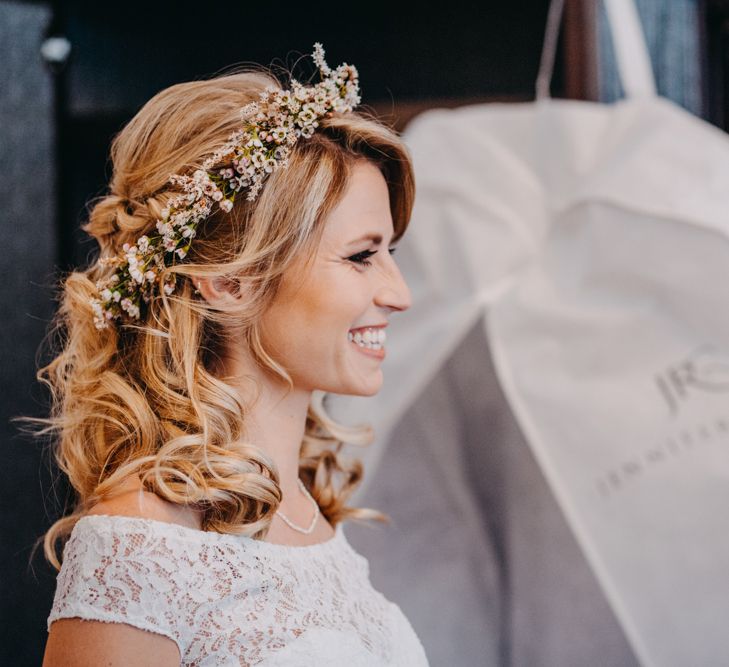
197 290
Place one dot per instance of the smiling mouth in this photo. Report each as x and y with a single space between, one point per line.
368 338
369 341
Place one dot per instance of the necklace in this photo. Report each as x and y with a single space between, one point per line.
308 530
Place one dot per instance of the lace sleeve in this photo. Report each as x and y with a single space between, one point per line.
131 577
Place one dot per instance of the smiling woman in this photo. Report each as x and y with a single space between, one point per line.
225 303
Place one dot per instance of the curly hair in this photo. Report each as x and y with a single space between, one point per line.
149 398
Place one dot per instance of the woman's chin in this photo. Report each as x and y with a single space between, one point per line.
371 387
362 386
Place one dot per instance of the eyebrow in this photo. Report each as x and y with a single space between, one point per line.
371 237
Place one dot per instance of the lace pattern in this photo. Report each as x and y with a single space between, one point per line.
230 599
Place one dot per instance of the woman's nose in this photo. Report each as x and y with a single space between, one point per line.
394 292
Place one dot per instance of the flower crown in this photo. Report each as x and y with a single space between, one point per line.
263 144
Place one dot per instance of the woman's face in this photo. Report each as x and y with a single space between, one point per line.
352 286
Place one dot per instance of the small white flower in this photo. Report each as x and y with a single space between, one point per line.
226 205
279 134
307 116
239 183
253 192
137 275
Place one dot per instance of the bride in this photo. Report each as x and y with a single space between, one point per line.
189 394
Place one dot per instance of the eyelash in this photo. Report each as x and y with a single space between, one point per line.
365 254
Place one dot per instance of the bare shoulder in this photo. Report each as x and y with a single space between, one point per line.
80 643
136 502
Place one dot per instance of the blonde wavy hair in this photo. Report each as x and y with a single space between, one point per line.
149 399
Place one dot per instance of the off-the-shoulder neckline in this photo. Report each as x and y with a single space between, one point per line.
202 534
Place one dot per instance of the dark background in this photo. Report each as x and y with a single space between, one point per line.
56 124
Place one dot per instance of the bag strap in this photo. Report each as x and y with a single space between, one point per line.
631 51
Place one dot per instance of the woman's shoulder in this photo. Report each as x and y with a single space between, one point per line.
133 501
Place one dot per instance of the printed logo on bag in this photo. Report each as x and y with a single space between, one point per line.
688 381
706 370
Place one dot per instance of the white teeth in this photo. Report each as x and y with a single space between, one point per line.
372 339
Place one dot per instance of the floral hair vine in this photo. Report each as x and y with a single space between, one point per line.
270 127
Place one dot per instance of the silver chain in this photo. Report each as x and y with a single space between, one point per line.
308 530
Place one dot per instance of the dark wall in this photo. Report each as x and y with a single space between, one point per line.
402 50
27 205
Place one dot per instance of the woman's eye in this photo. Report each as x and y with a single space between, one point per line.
363 257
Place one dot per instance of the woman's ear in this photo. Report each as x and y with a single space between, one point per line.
218 289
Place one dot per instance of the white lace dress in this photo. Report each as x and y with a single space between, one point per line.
233 600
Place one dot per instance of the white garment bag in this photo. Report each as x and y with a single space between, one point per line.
592 242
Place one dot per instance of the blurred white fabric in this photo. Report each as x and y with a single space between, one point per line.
587 244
